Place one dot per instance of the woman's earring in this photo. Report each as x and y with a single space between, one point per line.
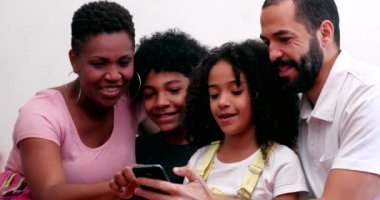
137 90
79 94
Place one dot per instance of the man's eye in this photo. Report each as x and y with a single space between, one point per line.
266 42
285 39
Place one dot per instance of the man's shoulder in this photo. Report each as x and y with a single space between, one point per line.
361 70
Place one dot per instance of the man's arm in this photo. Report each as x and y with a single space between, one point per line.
351 185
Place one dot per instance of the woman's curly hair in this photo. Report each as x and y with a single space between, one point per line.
275 112
99 17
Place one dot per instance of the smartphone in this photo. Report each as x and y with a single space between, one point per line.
155 171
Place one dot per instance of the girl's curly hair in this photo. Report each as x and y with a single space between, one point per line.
275 112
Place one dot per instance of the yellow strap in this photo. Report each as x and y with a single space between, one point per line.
204 170
250 179
254 171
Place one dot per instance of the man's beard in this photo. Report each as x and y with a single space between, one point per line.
308 69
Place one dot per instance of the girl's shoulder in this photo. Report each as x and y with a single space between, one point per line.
199 155
283 155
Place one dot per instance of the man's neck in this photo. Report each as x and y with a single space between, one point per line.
328 64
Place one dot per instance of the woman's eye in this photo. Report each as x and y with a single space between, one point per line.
98 65
124 63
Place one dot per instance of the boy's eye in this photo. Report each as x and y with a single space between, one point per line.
148 94
174 90
236 92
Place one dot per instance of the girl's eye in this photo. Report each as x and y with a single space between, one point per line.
236 92
213 96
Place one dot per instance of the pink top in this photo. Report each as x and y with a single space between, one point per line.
46 116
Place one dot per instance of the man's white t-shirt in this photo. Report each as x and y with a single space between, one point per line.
342 131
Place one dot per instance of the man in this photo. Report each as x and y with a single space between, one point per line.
340 108
339 138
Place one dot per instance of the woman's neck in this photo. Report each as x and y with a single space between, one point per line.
86 105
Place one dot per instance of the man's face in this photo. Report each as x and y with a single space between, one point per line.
292 49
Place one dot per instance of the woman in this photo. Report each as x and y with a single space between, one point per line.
70 140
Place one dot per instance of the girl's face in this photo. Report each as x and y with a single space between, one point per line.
104 66
230 104
164 98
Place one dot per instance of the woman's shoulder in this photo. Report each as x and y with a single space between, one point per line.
45 99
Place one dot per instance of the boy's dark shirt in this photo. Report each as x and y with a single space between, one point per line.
152 149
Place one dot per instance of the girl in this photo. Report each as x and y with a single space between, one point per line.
235 102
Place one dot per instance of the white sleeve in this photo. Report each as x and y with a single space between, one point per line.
359 133
287 174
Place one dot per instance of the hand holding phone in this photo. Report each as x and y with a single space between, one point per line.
154 171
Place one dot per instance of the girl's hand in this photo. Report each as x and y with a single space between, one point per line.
195 189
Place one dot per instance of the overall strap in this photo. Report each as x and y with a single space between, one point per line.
254 171
204 169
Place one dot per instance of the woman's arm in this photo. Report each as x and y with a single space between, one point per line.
44 174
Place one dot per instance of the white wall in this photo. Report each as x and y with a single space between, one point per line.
35 38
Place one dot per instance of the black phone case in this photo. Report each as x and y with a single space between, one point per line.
150 171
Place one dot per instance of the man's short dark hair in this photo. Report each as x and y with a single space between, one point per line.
312 13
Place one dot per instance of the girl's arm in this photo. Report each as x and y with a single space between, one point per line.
44 173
